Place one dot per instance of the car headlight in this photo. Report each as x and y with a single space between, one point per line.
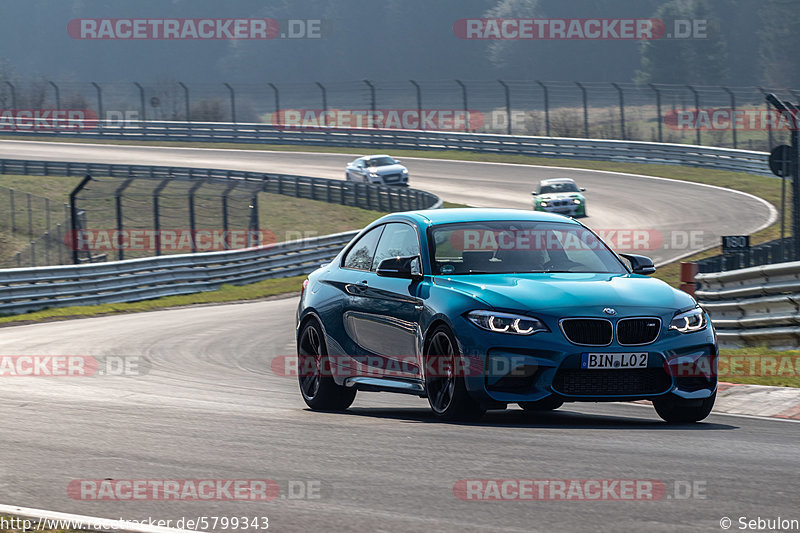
576 201
689 321
544 204
506 323
373 174
405 171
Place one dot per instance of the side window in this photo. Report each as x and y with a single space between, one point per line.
360 255
397 240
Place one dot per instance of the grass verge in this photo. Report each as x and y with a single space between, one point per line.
760 366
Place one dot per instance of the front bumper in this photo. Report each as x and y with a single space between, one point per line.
509 369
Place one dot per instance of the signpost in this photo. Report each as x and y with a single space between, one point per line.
778 158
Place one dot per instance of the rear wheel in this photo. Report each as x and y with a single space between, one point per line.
546 404
447 392
317 386
676 410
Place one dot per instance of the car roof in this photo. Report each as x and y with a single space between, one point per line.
473 214
374 156
557 180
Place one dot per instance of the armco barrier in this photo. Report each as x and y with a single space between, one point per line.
391 139
31 289
367 196
754 306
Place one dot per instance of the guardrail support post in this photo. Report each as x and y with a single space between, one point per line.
546 107
733 114
658 110
99 103
372 103
585 109
233 101
419 103
621 110
696 110
13 94
324 103
58 95
141 101
277 95
187 110
508 105
464 101
73 214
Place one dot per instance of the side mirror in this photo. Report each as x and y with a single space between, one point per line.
400 267
582 189
397 161
640 264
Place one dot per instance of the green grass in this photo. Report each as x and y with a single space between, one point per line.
760 366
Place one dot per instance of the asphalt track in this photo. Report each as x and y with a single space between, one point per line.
208 405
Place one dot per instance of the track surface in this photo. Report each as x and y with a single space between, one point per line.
210 406
614 201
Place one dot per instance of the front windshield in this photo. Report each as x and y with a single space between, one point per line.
554 188
380 161
519 247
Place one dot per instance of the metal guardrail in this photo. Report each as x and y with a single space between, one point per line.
766 253
754 306
392 139
366 196
31 289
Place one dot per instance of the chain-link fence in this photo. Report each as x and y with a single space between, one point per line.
708 115
28 223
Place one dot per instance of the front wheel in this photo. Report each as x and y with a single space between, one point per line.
447 392
319 390
678 410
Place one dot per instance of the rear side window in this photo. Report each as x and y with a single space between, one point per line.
360 255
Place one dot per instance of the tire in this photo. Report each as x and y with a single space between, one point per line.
447 393
677 410
319 390
550 403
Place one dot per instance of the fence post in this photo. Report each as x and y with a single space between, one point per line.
46 247
225 228
99 103
73 213
186 101
118 205
254 235
156 213
419 103
546 107
30 214
733 114
621 111
141 102
372 103
192 225
464 101
324 103
33 253
696 109
508 105
13 94
47 214
658 109
277 103
13 212
58 95
233 101
585 109
59 243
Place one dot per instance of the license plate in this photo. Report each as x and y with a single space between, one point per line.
614 360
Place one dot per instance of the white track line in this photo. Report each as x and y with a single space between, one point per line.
87 521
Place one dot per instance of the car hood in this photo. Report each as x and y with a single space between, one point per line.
559 196
627 293
388 169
